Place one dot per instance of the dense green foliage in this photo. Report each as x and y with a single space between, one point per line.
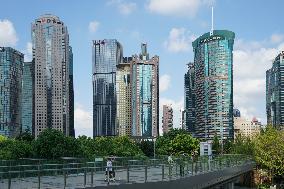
52 144
176 141
269 151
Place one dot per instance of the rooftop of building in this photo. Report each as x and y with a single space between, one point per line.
217 35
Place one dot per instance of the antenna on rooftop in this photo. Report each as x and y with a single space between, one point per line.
212 21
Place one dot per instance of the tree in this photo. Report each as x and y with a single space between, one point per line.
184 143
14 149
147 147
269 151
216 147
52 144
242 145
25 136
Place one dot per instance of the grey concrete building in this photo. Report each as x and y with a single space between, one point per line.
50 41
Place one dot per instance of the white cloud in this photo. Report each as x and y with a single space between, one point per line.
83 121
123 7
251 60
179 40
28 52
8 35
93 26
164 83
187 8
176 105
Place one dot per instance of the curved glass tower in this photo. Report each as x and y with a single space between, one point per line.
213 75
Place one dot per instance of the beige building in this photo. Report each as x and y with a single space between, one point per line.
123 94
246 127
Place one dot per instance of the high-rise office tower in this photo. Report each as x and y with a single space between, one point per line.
50 41
167 119
11 67
71 95
189 100
144 77
27 97
123 93
107 54
275 93
213 80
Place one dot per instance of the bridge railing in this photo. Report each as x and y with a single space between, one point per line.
74 172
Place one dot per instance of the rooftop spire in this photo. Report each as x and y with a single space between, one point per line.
212 21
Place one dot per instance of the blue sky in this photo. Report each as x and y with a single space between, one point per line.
168 26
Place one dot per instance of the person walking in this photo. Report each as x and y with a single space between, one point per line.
110 174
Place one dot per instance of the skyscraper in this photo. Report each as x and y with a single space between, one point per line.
123 93
189 100
11 67
167 118
51 57
71 95
144 79
107 54
27 97
213 78
275 93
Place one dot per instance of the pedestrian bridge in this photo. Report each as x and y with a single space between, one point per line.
69 173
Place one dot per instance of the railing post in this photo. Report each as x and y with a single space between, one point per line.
92 177
107 175
64 178
38 175
127 173
163 172
146 173
170 171
85 175
9 181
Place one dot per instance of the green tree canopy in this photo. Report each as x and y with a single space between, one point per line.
269 150
184 143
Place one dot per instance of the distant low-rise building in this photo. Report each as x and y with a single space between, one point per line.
246 127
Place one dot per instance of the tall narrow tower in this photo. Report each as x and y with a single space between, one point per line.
144 77
213 78
51 58
107 54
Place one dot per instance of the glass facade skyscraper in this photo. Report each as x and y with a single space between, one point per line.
275 93
213 85
11 68
71 95
50 41
27 97
144 94
189 99
107 54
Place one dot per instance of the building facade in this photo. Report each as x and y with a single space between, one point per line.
50 41
213 78
123 93
167 119
144 79
71 95
275 93
246 127
27 97
189 100
11 67
107 54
